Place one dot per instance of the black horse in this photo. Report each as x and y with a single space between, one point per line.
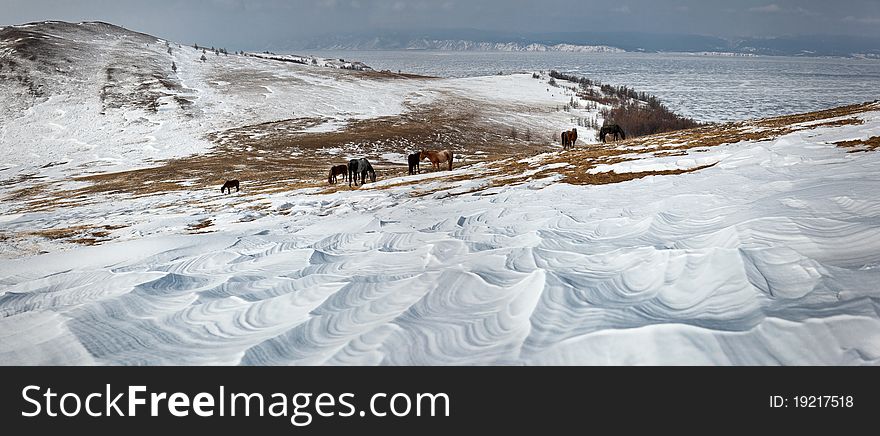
360 166
229 185
611 129
414 163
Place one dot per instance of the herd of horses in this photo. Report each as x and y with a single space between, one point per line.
359 169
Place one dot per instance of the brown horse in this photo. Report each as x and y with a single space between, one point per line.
437 157
569 137
335 171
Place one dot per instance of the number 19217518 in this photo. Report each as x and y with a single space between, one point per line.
812 401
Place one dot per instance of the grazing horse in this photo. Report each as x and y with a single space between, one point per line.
360 166
337 171
611 129
437 157
413 160
229 185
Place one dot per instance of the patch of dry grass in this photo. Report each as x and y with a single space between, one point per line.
855 146
200 226
83 234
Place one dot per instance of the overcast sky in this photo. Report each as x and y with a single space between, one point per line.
251 24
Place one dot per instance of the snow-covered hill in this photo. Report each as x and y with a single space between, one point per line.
747 243
96 92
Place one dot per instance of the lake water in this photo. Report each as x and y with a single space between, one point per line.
707 88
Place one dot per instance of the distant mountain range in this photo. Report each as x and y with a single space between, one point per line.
475 40
458 45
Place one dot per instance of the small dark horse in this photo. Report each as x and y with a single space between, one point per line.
337 171
413 160
229 185
360 166
611 129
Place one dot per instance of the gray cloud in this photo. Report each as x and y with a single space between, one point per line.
240 24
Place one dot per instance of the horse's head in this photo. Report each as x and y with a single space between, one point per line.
373 176
423 155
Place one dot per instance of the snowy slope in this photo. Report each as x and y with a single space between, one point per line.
770 256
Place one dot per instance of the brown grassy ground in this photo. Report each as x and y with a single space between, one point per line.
278 157
680 143
83 235
855 146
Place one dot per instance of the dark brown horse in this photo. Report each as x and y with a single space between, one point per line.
229 185
437 157
336 171
611 129
569 137
413 161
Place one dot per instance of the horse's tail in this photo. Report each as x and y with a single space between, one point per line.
330 176
451 157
